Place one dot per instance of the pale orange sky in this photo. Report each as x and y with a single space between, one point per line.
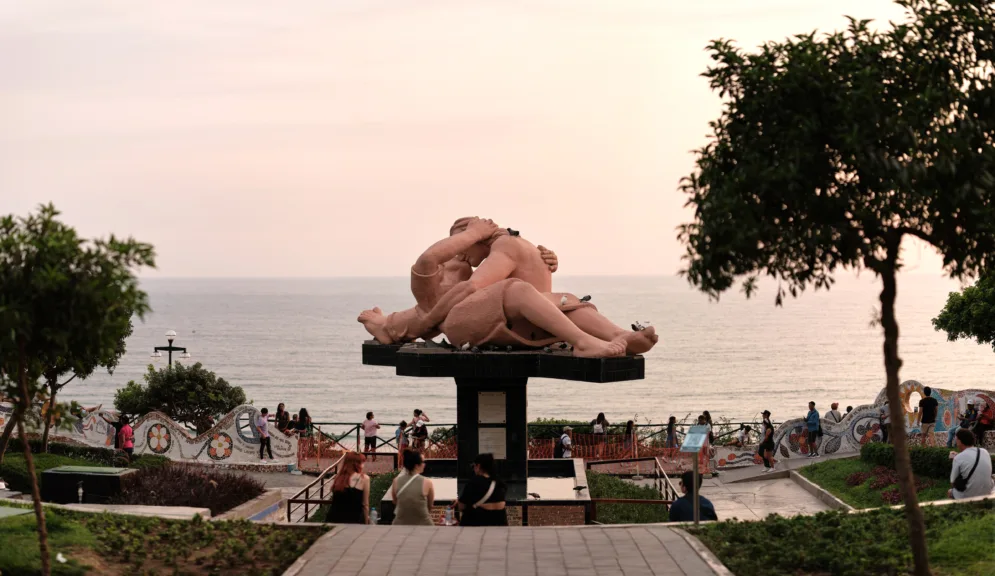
341 138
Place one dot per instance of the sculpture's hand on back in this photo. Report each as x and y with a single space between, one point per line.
549 257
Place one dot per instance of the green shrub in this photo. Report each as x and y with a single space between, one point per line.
607 486
379 485
552 428
926 460
872 543
197 487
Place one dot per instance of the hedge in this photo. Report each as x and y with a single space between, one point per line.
196 487
934 462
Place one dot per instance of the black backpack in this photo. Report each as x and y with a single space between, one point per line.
558 448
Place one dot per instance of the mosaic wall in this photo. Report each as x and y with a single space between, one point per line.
861 425
233 439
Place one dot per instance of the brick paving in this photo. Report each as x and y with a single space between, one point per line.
651 550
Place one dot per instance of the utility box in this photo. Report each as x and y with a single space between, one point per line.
61 485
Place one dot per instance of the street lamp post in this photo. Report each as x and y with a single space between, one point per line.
170 336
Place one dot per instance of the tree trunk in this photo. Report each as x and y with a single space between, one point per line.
8 430
48 419
892 364
46 568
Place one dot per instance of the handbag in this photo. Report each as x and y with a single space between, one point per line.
960 483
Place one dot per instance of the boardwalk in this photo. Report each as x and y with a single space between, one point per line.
651 550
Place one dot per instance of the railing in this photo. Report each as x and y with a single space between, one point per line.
662 482
303 498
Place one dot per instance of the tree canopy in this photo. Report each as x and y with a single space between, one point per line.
65 306
831 149
970 313
189 395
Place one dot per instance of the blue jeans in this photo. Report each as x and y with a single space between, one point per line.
950 436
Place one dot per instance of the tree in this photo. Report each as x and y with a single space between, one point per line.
970 313
189 395
832 149
57 291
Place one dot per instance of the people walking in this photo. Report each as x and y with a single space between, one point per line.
814 425
766 448
629 441
262 426
928 407
350 492
564 445
412 493
600 430
671 441
126 437
482 502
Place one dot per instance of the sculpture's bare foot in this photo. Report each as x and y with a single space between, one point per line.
592 347
375 323
640 341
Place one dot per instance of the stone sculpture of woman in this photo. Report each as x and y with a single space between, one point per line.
507 301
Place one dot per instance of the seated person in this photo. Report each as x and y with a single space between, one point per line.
742 437
682 509
973 464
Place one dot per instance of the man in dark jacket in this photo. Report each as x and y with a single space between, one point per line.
682 510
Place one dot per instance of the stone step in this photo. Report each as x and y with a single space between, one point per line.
9 494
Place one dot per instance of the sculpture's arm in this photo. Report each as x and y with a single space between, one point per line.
446 249
498 266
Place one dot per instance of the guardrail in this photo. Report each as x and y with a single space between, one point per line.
319 484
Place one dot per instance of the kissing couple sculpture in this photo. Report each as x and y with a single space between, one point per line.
485 285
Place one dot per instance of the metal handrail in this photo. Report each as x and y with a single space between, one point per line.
664 485
320 481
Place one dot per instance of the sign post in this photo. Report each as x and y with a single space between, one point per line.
694 441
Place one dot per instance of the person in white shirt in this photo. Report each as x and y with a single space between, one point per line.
262 426
834 415
971 457
370 427
566 442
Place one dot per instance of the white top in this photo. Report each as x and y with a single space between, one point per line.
741 436
834 416
262 426
598 429
887 414
565 440
980 483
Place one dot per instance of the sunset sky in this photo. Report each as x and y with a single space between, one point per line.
341 138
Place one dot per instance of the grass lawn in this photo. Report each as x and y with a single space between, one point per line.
832 476
15 469
606 486
960 539
119 545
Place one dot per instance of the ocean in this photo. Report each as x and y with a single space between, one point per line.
297 341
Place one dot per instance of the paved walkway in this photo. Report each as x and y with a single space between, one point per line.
650 550
757 500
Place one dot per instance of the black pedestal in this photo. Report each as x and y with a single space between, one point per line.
491 417
491 401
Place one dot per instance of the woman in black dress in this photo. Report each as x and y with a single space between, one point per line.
482 501
350 493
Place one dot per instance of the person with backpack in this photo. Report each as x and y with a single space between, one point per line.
971 473
563 446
